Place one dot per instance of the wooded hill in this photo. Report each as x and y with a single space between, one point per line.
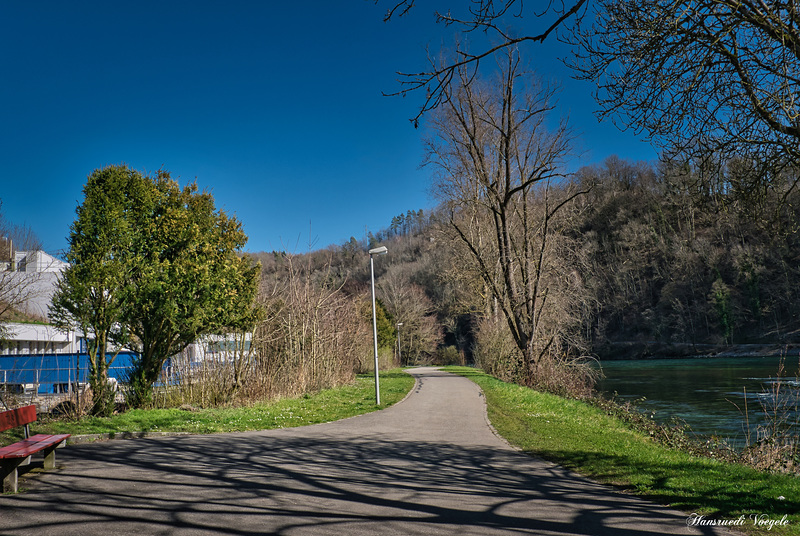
669 260
681 258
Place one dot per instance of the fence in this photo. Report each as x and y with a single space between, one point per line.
46 379
45 374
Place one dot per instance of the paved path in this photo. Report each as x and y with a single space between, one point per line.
429 465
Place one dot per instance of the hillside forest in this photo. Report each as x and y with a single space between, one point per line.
661 260
531 271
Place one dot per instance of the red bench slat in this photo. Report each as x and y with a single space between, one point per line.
32 445
17 417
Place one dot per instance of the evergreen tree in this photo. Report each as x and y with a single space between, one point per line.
153 266
92 292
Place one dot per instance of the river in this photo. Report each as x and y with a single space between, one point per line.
714 396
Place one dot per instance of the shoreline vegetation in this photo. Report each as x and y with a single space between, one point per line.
635 350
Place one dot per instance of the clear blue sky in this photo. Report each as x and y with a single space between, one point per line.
276 108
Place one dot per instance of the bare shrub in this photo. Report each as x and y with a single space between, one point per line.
387 359
777 443
312 337
497 354
209 373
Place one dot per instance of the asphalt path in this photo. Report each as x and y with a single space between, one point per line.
429 465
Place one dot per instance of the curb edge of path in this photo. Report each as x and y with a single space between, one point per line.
486 415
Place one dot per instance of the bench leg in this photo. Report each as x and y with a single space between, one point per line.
50 457
8 471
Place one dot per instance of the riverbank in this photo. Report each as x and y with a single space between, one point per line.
591 442
631 350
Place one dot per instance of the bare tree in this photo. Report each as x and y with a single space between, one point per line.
481 16
16 288
708 80
716 78
497 166
420 333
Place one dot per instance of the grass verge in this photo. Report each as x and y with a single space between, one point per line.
593 443
325 406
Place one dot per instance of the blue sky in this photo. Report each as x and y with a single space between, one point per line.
277 109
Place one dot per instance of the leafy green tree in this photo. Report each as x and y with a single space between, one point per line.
387 333
721 297
91 293
153 267
187 278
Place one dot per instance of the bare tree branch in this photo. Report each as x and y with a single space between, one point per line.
482 15
715 77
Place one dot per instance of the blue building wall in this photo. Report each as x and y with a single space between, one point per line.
53 372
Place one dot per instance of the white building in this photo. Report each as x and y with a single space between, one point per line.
34 339
37 262
35 357
28 279
218 348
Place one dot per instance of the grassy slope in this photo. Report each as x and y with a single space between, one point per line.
585 439
325 406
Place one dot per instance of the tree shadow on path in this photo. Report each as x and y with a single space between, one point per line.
302 481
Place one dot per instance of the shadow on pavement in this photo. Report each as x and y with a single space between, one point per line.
289 482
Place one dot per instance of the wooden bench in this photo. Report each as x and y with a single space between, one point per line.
19 454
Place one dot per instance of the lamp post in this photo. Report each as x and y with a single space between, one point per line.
399 352
376 251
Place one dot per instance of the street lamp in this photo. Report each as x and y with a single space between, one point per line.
377 251
399 353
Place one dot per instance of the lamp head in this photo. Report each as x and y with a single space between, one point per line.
379 251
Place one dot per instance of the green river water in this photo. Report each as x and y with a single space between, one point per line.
714 396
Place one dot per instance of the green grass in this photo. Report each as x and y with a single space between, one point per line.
325 406
590 442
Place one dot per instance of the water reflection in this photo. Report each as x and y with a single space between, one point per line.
714 396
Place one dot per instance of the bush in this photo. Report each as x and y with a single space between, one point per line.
449 355
496 353
313 337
